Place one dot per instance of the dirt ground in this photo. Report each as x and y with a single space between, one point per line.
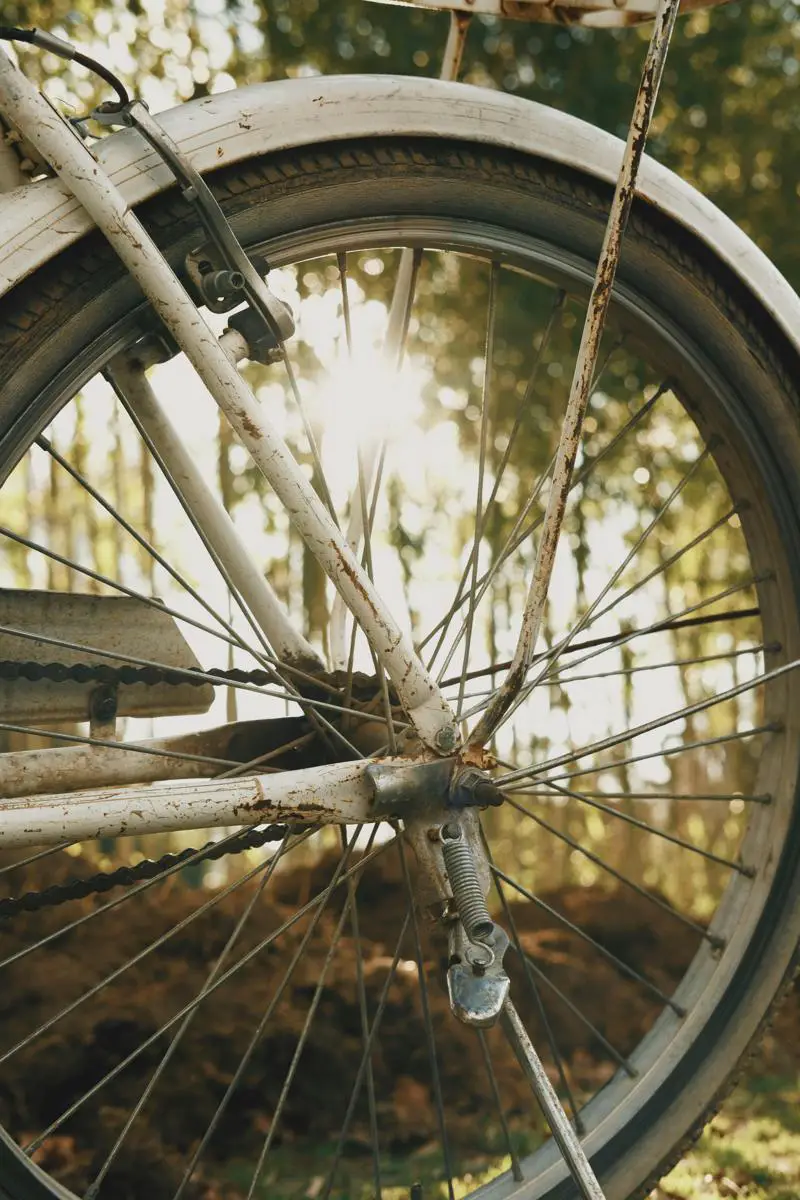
44 1077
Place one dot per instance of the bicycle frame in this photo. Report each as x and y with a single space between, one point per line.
430 715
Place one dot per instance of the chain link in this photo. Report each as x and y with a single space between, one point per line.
104 881
149 868
55 672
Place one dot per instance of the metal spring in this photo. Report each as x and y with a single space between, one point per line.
465 883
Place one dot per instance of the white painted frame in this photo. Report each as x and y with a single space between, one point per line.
231 128
54 139
338 793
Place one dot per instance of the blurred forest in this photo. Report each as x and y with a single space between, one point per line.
728 120
728 117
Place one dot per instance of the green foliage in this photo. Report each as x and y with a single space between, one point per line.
728 117
752 1149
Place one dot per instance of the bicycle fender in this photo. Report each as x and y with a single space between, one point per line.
39 220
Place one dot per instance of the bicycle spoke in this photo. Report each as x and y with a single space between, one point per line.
560 680
186 1023
483 436
364 1016
664 566
341 262
664 752
264 944
674 623
429 1034
131 747
555 313
300 1047
258 1033
32 858
624 879
322 481
618 639
622 967
565 644
646 827
618 1058
689 710
725 797
167 873
558 1058
367 519
366 1057
591 615
604 644
154 945
519 532
516 1169
46 445
371 459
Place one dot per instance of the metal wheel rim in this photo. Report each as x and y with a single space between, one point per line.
610 1110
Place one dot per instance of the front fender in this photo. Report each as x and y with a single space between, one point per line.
39 220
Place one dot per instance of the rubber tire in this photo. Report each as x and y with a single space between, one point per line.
48 319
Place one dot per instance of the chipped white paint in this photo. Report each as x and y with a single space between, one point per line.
233 126
338 793
37 772
87 180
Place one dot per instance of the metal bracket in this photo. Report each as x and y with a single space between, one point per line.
477 983
437 785
230 277
399 788
219 288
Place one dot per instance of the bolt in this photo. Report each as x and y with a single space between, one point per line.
447 739
103 703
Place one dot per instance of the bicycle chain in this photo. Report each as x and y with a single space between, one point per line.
149 868
55 672
105 881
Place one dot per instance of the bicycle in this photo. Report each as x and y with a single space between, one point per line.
386 192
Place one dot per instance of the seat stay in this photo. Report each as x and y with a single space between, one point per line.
428 711
337 793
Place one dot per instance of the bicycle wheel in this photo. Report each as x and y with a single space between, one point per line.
323 1054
